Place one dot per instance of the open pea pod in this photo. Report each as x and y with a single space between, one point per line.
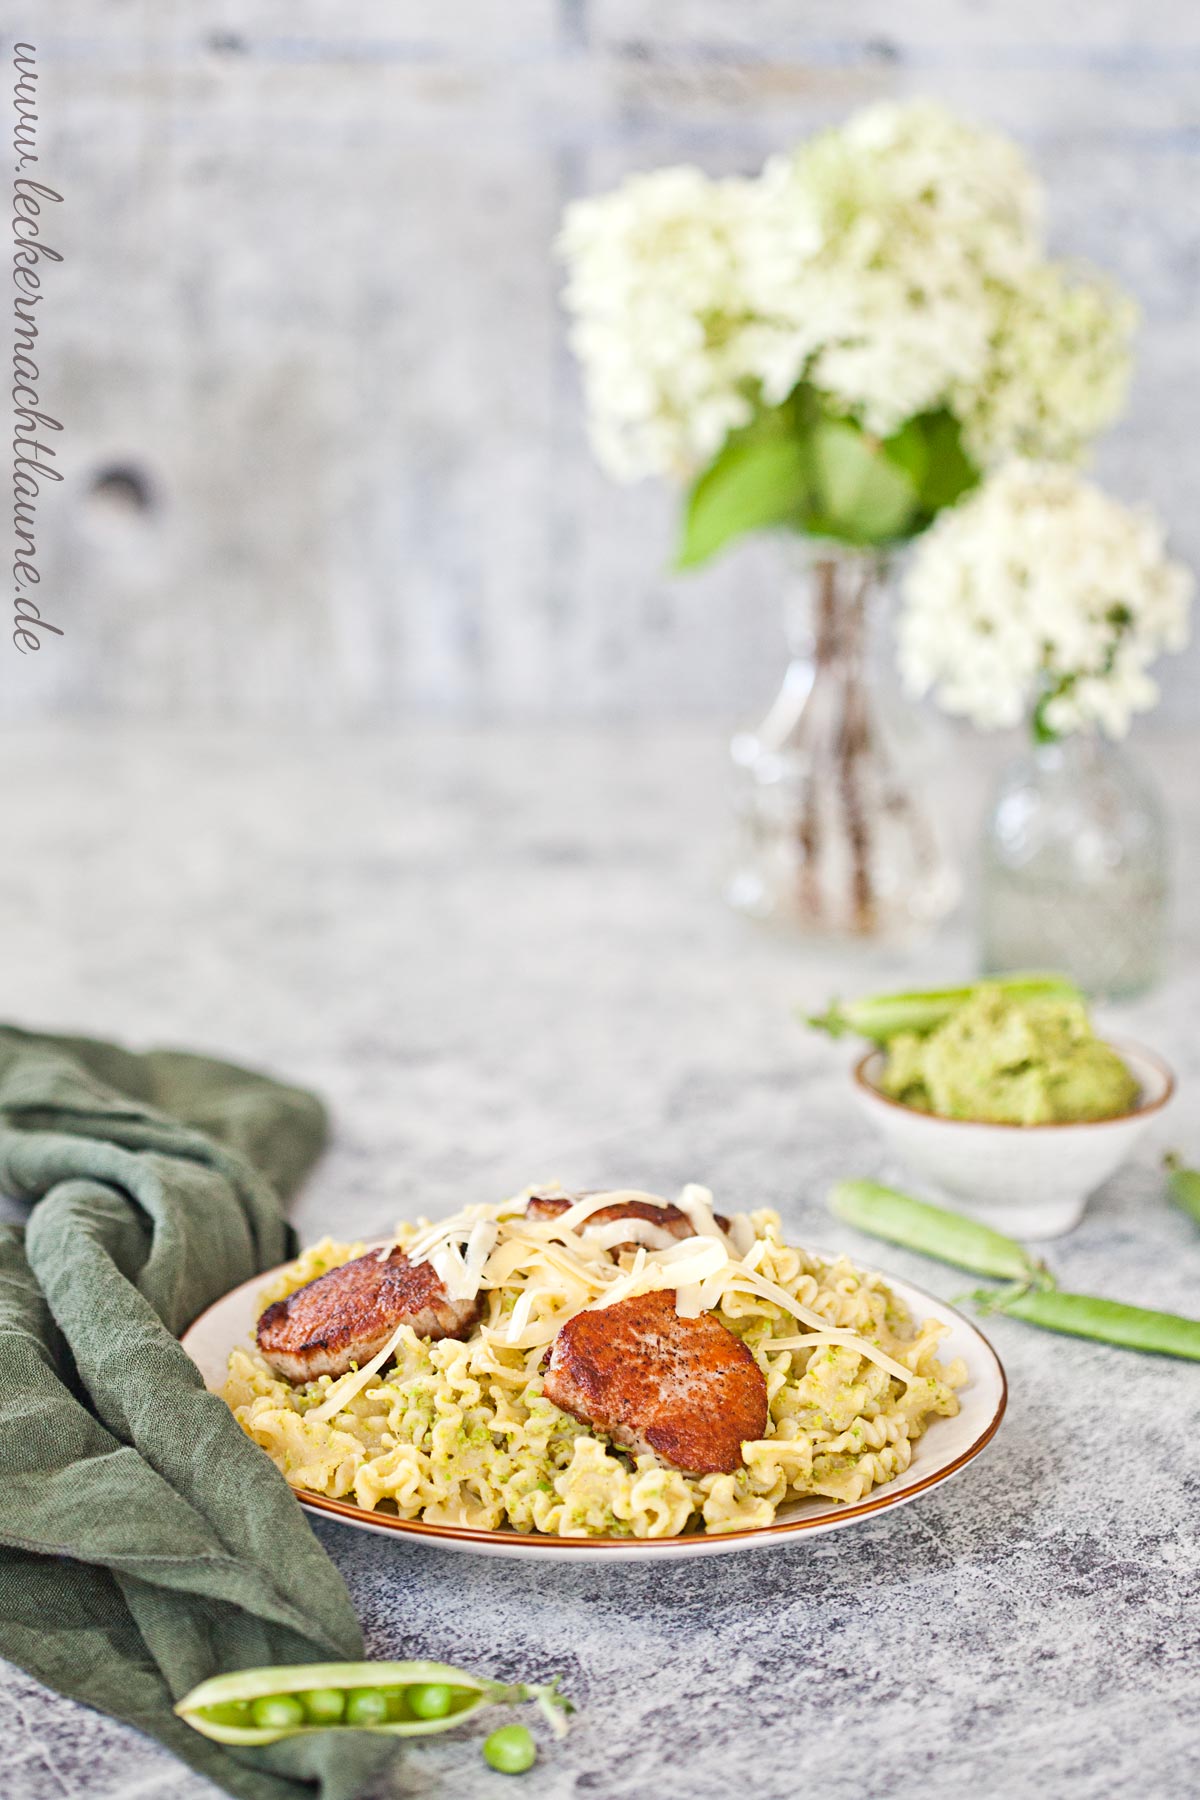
881 1017
402 1699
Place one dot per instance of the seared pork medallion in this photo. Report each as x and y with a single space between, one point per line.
345 1317
685 1388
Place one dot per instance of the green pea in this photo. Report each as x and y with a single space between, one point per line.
323 1706
277 1712
228 1712
430 1699
511 1750
366 1706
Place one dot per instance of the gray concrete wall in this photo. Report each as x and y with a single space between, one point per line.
324 449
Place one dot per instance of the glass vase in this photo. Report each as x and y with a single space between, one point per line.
1074 872
832 839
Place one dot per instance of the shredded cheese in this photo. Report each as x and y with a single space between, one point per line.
629 1231
583 1209
695 1203
480 1245
522 1312
688 1304
741 1234
347 1386
848 1340
567 1266
447 1259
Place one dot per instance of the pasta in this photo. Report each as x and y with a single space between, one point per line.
460 1432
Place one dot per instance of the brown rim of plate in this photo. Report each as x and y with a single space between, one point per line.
537 1540
1120 1045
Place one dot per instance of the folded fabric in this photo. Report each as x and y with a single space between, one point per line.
148 1542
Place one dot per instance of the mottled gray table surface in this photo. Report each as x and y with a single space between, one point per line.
502 958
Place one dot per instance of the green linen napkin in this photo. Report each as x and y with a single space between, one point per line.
147 1542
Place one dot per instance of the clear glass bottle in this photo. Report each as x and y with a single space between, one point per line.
1074 872
832 837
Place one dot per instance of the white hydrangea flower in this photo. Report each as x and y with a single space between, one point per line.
871 249
655 286
895 263
1056 372
1039 588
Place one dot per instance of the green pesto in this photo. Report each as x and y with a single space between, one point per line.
1006 1060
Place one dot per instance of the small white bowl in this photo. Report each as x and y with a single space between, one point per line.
1032 1181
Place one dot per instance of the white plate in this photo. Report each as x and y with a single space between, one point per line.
947 1446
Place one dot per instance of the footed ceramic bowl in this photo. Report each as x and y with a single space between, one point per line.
1031 1181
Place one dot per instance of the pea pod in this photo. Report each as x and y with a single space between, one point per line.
1109 1321
403 1699
881 1016
1184 1185
1032 1294
883 1212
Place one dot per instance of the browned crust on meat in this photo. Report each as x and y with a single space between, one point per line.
347 1315
686 1388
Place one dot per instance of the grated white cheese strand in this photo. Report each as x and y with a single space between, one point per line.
688 1304
457 1227
421 1248
694 1259
583 1209
628 1231
767 1290
452 1271
695 1202
770 1290
846 1340
632 1280
574 1247
535 1336
521 1314
685 1264
587 1268
754 1255
741 1234
347 1386
480 1245
712 1290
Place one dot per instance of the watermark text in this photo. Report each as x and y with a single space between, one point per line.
33 428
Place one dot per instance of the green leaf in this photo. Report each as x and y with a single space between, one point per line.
908 448
759 478
950 472
865 497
